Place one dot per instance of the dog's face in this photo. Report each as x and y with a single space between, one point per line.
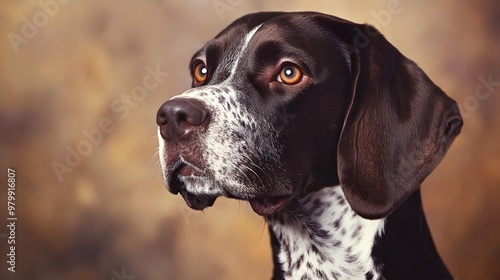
274 112
266 117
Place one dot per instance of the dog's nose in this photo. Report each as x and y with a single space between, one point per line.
179 118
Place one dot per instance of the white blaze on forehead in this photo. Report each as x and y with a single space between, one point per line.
194 92
247 39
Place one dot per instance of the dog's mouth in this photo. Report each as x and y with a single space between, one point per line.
184 174
177 184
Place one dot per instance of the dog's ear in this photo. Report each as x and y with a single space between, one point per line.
398 127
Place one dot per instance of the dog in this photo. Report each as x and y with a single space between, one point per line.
327 130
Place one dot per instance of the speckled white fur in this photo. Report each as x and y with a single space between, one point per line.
325 239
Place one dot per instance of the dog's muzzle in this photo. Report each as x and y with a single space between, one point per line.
196 163
180 121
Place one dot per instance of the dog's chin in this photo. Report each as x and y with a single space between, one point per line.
186 181
189 187
197 202
263 206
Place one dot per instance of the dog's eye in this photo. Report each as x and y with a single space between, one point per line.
290 75
200 73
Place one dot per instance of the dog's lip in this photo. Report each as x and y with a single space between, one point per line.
187 170
176 186
262 205
181 169
197 202
268 205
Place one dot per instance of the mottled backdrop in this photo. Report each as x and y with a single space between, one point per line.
77 123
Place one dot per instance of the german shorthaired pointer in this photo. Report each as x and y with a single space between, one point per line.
327 130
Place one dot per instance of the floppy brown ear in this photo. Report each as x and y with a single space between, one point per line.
398 127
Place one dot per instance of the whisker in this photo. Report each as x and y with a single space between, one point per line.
257 175
154 155
252 162
242 172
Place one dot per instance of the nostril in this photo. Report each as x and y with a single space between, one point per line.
182 117
194 115
177 118
161 119
453 127
161 115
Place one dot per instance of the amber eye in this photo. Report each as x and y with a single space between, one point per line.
290 75
200 73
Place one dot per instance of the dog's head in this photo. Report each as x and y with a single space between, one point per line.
283 104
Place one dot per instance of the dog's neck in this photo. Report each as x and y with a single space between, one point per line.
320 237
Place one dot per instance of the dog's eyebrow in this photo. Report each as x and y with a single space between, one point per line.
271 52
201 52
197 55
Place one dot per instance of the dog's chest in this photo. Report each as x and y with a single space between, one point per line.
322 238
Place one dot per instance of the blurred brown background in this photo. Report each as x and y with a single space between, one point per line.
67 66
